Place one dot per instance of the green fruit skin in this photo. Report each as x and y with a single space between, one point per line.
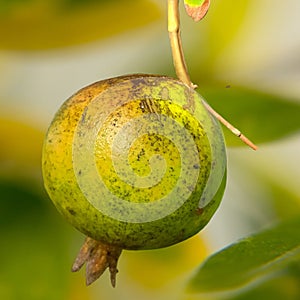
72 185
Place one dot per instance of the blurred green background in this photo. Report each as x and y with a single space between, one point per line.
244 56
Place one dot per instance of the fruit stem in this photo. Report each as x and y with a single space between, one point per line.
181 67
176 44
98 257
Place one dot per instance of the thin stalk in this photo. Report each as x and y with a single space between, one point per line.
176 44
181 67
234 130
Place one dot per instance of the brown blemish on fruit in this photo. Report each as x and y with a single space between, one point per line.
199 211
190 100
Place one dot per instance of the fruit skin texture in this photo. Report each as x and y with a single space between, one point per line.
84 136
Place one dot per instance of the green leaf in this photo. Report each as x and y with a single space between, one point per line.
197 9
37 25
261 117
284 285
280 191
194 2
250 259
35 258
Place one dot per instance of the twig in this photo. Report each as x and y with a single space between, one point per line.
176 45
234 130
181 68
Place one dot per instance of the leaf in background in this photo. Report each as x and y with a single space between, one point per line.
196 9
34 252
35 248
37 25
171 263
284 285
213 35
250 259
261 117
280 192
20 151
